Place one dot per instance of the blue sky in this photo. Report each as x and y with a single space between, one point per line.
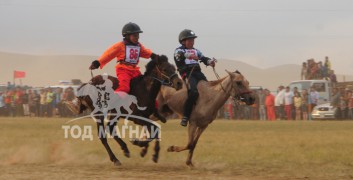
263 33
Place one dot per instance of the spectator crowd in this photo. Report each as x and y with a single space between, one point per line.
313 70
287 104
290 104
44 102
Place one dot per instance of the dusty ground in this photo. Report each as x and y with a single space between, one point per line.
37 149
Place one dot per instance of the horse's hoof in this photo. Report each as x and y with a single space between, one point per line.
163 119
127 154
117 163
155 158
170 149
189 163
143 153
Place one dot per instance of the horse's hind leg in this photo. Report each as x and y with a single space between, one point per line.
103 138
117 138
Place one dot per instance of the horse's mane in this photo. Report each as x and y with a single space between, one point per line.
213 83
84 84
96 80
152 64
216 82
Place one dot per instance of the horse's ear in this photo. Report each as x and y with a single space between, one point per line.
155 58
232 75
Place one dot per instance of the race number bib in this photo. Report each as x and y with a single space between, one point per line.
132 54
189 52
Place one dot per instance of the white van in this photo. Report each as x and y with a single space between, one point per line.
324 88
63 87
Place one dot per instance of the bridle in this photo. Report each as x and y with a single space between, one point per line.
238 93
168 80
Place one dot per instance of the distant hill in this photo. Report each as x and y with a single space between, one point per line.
48 70
269 78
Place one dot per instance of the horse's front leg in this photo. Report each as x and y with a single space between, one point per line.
155 156
154 132
141 143
112 124
159 116
191 133
193 145
103 137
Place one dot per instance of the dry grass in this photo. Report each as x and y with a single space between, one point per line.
36 148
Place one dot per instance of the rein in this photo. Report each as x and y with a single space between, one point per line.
236 100
218 77
187 82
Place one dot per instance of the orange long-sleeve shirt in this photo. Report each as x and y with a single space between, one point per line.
270 100
118 51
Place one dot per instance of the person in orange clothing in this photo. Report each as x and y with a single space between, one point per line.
127 53
270 105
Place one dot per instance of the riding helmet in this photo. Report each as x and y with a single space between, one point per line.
131 28
186 34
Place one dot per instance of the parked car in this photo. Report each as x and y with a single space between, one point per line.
324 111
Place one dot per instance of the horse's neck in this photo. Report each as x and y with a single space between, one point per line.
219 93
151 88
154 89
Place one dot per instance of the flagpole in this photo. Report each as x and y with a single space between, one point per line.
13 80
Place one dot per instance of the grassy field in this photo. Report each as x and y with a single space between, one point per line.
35 148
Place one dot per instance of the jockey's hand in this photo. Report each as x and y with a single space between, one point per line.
95 65
212 62
191 56
154 57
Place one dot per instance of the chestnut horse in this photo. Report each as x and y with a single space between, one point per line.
145 88
212 96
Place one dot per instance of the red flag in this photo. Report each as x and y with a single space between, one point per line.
19 74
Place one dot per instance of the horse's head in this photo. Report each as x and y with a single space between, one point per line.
163 71
240 88
79 104
83 99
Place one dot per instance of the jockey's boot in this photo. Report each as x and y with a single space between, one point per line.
184 121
